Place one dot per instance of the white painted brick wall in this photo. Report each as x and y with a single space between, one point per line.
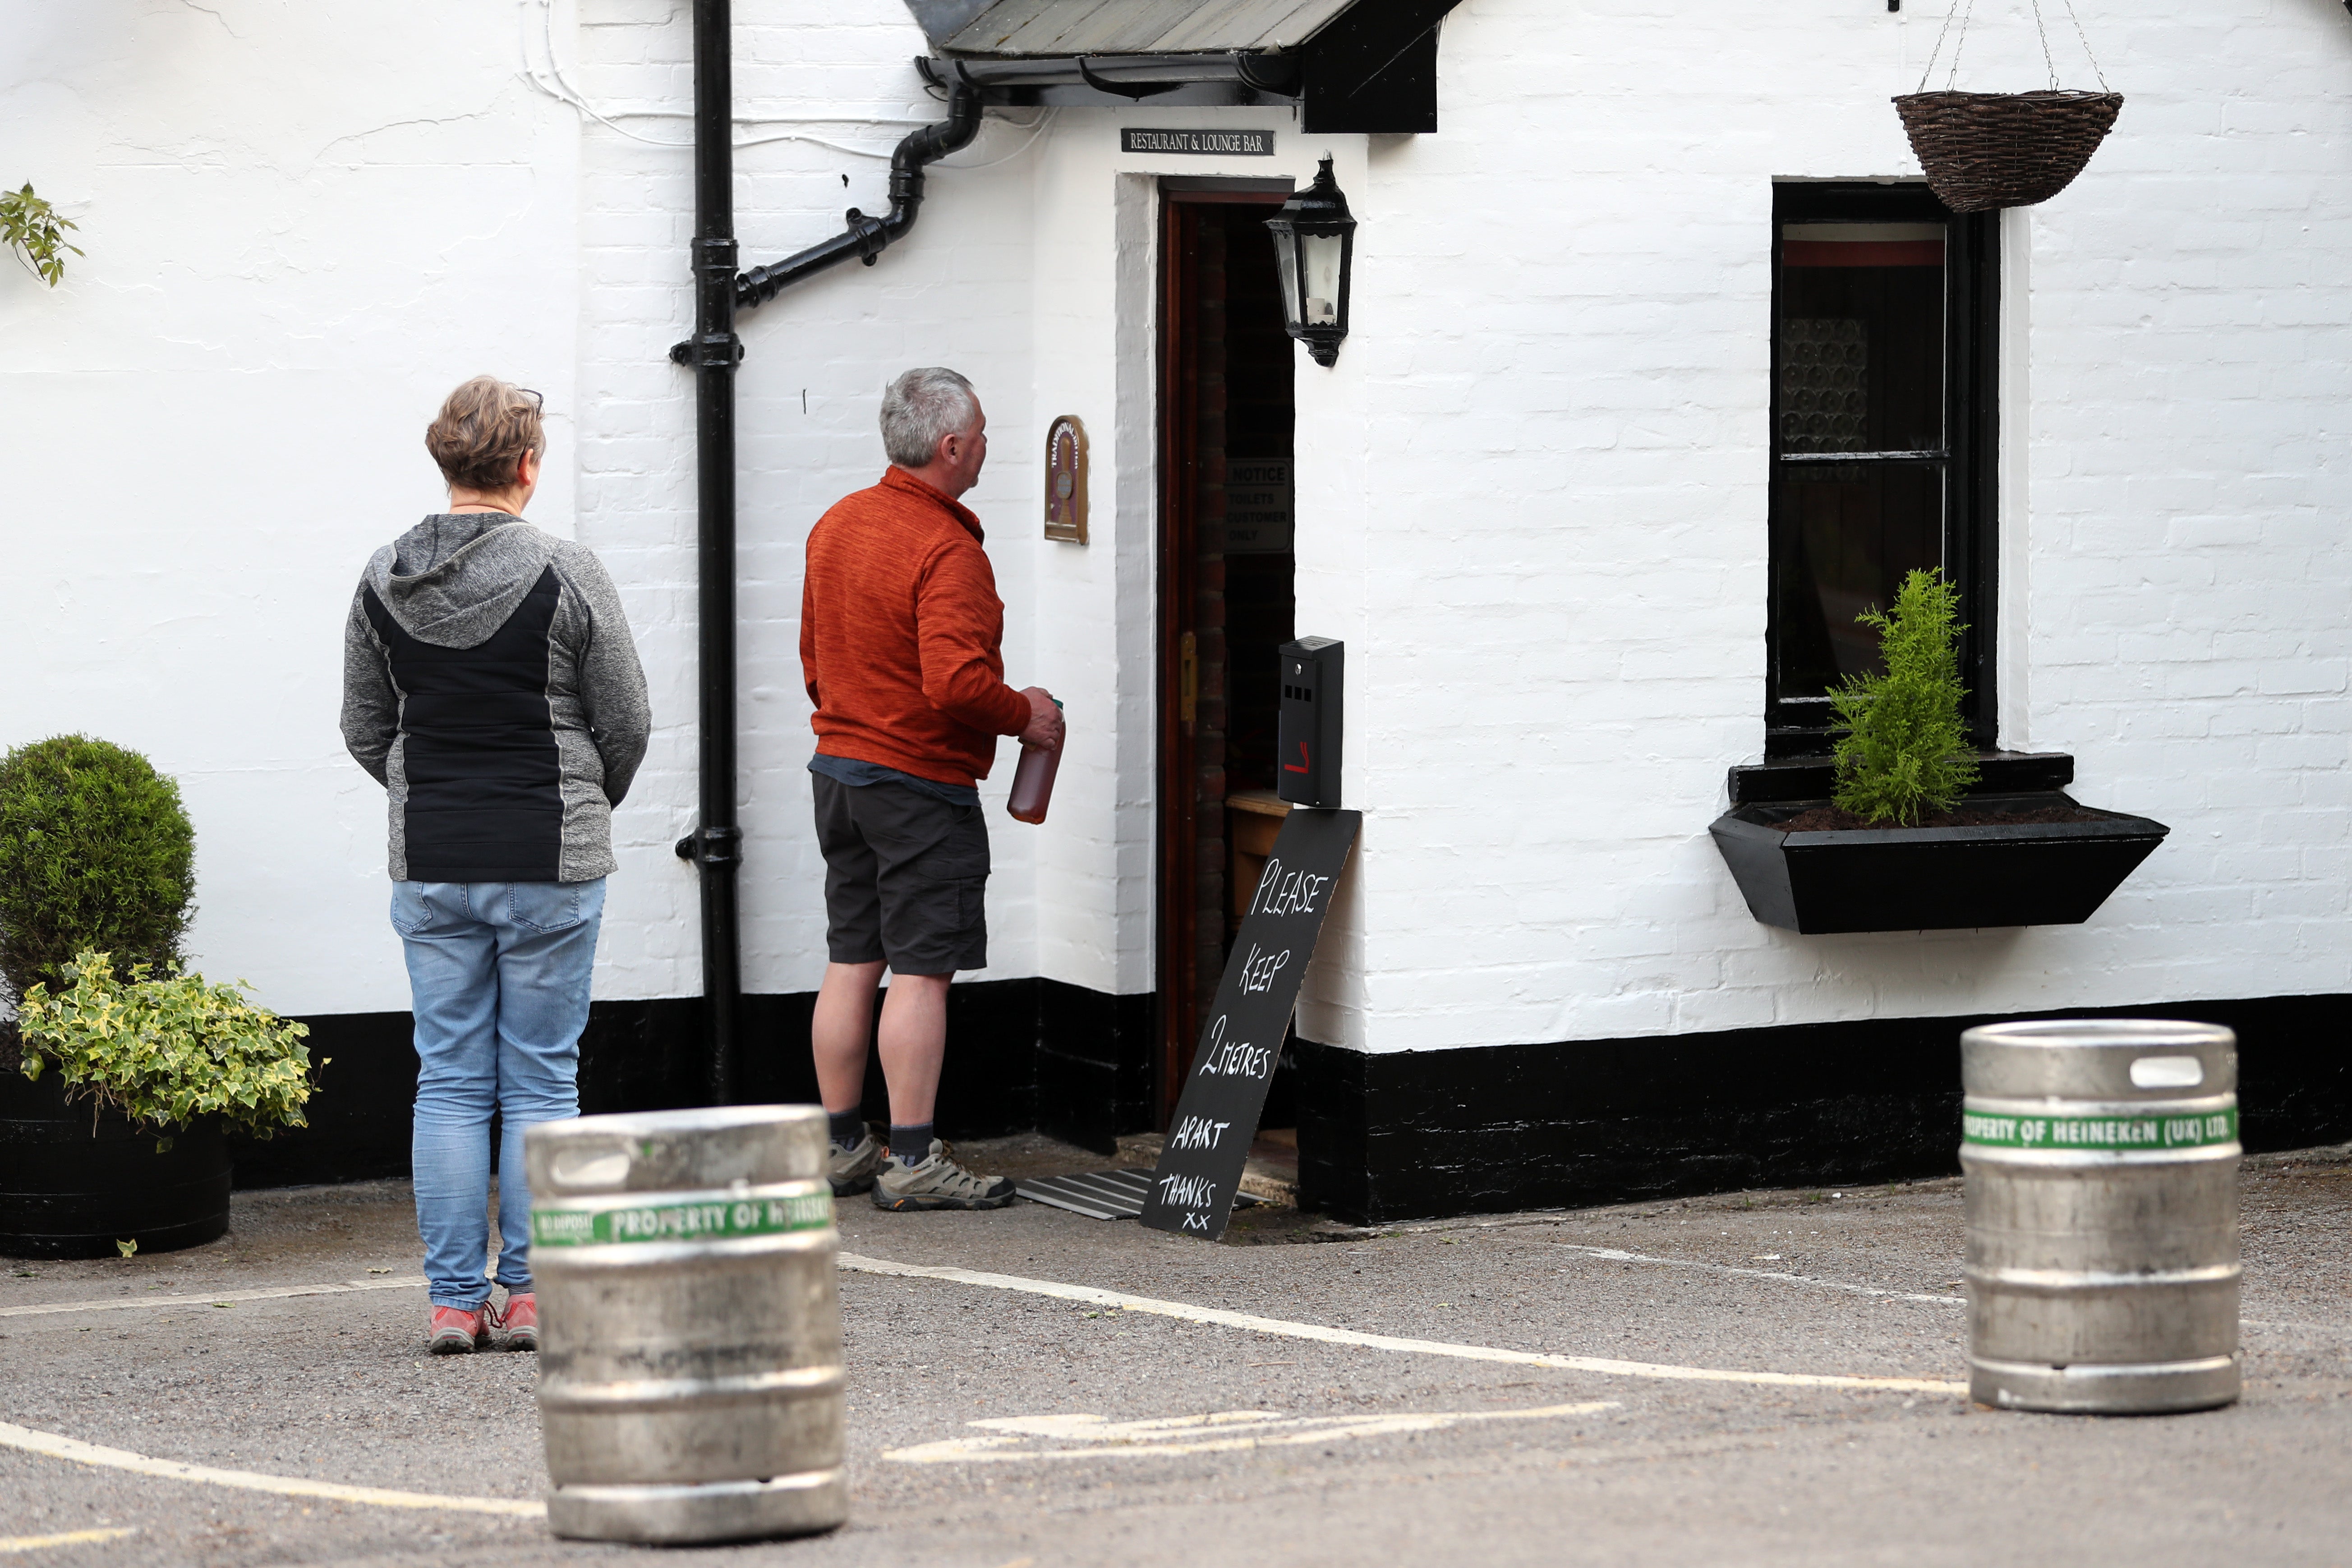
1559 366
295 248
1532 493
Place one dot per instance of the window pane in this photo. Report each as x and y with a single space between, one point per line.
1848 532
1861 337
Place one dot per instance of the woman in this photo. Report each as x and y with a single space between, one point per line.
491 685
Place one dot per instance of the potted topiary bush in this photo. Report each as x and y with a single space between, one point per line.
1910 839
119 1072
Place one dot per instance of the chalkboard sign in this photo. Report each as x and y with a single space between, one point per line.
1216 1117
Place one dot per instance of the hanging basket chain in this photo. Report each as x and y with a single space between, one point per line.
2044 32
2087 55
1964 11
1941 33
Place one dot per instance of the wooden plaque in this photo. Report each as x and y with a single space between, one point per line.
1066 480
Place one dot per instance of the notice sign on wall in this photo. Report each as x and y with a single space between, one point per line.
1257 506
1198 144
1216 1117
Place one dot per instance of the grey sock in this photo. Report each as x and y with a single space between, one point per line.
848 1127
911 1144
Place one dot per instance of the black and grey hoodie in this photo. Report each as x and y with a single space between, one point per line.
491 685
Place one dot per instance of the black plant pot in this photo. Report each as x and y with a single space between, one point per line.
1931 878
69 1191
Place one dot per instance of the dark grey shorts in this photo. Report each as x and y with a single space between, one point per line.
906 878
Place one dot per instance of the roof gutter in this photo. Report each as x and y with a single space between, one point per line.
1125 76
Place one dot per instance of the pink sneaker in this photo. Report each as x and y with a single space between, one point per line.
518 1321
459 1331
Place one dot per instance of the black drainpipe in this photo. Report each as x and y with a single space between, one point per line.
714 351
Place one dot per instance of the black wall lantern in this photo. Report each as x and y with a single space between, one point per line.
1315 244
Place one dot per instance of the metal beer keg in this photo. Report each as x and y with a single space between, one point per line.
689 1369
2102 1164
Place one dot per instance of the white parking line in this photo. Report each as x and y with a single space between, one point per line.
1606 1254
1610 1254
83 1453
1284 1326
413 1282
1221 1432
70 1537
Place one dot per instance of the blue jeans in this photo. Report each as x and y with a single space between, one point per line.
498 971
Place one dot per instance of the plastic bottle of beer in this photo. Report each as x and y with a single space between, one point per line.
1032 782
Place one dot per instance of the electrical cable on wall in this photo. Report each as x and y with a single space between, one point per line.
1036 128
554 82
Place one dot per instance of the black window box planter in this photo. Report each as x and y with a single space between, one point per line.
1931 878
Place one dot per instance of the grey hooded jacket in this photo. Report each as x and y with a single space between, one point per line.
491 685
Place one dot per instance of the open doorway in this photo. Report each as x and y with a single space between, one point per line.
1225 592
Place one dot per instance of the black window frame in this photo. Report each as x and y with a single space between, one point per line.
1970 460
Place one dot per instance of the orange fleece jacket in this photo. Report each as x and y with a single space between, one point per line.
901 632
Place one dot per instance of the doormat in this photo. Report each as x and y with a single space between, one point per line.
1099 1194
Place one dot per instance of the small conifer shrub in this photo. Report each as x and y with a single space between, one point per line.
1905 752
95 853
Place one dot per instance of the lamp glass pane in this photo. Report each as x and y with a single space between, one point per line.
1286 256
1322 254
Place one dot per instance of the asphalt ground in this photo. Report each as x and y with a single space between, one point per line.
1355 1454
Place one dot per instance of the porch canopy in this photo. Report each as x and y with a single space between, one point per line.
1348 64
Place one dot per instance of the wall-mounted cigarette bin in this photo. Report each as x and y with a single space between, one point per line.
1308 736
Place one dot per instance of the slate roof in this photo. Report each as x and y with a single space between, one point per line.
1018 29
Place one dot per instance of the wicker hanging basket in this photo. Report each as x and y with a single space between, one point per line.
1987 150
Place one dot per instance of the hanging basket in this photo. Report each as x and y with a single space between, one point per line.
1987 150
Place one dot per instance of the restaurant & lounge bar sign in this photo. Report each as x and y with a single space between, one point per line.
1198 144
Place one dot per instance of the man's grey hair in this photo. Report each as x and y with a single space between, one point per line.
922 407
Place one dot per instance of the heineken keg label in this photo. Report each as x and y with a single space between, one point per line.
2102 1132
716 1220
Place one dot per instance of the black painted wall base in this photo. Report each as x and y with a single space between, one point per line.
1021 1054
1416 1134
1421 1135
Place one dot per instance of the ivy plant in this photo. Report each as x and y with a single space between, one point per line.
1905 752
31 227
166 1051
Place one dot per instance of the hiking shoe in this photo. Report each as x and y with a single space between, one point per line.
939 1183
853 1169
517 1321
459 1331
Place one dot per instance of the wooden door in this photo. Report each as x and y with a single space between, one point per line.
1226 397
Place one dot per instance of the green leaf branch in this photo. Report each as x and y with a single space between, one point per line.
32 228
165 1052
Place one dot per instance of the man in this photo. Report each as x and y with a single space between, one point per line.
901 645
491 685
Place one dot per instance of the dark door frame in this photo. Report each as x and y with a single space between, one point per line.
1175 980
